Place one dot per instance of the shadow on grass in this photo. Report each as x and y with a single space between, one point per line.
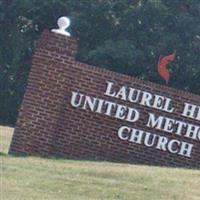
3 154
95 160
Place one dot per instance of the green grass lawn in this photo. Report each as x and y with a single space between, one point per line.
33 178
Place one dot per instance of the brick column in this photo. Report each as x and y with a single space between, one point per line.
40 113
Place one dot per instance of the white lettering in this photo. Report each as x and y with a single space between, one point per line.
110 106
186 149
192 131
149 141
134 95
167 106
133 115
162 143
146 99
122 132
168 127
154 123
109 89
121 111
75 98
158 102
180 127
89 102
171 146
189 110
136 136
122 93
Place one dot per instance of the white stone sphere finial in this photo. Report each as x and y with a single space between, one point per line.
63 24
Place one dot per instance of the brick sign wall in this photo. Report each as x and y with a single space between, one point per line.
79 111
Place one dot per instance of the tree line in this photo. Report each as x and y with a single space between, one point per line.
126 36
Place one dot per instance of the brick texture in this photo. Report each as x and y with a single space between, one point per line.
48 125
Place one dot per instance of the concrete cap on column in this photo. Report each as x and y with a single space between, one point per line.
63 24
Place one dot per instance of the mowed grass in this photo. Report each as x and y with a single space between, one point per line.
33 178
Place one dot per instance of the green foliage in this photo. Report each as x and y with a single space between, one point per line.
124 36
